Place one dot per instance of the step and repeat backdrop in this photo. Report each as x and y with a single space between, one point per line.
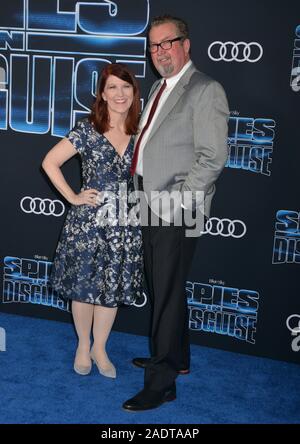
243 288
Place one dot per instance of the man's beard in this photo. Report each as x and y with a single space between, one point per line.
165 70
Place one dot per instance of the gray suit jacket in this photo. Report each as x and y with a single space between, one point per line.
187 147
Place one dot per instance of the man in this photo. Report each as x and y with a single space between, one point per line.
182 147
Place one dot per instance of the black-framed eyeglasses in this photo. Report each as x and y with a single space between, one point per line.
166 44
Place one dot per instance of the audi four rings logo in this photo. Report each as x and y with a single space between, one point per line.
47 207
141 301
292 322
225 227
235 52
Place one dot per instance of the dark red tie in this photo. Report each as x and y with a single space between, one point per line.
150 117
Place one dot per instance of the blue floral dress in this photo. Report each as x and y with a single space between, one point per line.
100 262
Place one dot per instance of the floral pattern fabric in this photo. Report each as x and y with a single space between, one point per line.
99 263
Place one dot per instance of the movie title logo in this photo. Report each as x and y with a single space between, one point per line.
52 52
26 281
250 144
223 310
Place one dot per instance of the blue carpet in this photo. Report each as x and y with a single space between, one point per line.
38 384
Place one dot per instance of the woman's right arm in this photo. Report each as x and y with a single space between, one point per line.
55 158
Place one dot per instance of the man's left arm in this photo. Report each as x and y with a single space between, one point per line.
210 130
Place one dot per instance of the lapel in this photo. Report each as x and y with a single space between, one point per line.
171 101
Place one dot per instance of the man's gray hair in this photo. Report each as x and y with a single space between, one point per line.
180 24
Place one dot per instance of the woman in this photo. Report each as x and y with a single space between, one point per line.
98 265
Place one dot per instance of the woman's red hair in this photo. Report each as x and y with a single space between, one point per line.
99 115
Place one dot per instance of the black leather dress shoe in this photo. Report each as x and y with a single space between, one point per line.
150 399
143 362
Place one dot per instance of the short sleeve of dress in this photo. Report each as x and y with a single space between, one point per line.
78 136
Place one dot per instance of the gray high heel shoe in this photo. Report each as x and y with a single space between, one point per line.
110 372
82 369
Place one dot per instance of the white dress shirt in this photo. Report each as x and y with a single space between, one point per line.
171 82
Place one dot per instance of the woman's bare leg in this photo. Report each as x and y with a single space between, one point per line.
83 319
103 321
